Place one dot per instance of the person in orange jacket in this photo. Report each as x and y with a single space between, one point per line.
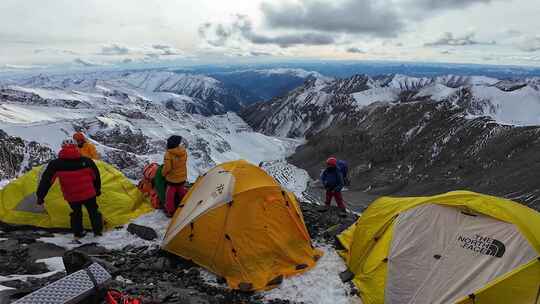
175 173
86 148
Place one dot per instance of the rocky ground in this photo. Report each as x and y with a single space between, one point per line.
146 272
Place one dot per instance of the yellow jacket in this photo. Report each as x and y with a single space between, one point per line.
89 150
174 165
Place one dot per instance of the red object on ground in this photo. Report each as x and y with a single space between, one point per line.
117 297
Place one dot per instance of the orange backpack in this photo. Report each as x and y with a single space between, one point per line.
146 184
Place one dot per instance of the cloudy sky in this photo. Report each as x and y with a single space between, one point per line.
101 32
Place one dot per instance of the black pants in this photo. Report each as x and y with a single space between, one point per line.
77 217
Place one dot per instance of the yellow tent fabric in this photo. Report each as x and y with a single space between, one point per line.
237 222
367 244
519 286
119 202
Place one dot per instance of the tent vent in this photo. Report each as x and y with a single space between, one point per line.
301 266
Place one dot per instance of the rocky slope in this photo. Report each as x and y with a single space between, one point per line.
405 135
18 155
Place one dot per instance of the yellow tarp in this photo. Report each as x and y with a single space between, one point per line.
251 241
119 202
367 242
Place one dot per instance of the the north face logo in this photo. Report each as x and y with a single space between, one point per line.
483 245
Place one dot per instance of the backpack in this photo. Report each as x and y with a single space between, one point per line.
146 185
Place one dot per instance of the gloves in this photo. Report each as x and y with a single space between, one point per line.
40 201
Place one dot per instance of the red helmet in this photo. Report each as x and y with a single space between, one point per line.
79 136
331 162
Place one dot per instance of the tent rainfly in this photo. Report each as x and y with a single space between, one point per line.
237 222
119 202
459 247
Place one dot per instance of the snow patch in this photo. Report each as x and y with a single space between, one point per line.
520 107
118 238
4 183
320 285
289 176
436 91
367 97
54 264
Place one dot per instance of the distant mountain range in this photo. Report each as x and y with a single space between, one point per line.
409 135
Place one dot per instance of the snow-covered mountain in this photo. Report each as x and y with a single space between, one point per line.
197 94
127 126
407 135
265 84
320 102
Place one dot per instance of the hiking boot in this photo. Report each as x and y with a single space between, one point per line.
323 209
79 236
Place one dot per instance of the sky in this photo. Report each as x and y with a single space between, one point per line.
37 33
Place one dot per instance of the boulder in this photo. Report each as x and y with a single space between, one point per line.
145 233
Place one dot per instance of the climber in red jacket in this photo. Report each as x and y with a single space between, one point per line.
80 183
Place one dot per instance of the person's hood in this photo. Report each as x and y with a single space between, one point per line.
69 152
177 151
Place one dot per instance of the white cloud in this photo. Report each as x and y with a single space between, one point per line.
59 31
448 39
530 43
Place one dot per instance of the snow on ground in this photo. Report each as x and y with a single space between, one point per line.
289 176
118 238
2 288
4 182
319 285
54 265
